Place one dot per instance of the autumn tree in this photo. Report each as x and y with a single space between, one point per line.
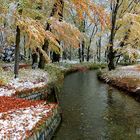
119 8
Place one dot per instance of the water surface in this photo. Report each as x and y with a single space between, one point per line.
93 110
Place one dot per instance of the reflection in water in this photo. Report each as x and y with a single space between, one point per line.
94 111
109 96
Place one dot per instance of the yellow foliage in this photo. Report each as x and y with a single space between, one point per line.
66 32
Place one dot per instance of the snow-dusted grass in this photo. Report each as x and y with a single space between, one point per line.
127 77
70 61
28 79
125 72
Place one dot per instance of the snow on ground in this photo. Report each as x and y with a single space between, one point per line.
128 67
6 92
16 124
28 79
128 75
70 62
125 72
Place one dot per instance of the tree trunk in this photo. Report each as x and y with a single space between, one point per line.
17 51
83 49
99 54
24 47
70 54
111 53
42 60
111 56
88 51
99 49
79 52
94 31
29 54
56 56
34 59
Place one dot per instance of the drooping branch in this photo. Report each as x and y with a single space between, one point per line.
57 12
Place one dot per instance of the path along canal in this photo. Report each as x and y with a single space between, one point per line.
93 110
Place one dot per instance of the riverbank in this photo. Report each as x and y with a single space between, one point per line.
43 85
126 78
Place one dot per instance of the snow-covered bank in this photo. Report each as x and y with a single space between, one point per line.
126 78
28 79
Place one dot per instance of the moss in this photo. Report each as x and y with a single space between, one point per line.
56 77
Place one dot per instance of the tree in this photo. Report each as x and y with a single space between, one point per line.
119 8
57 11
17 50
111 54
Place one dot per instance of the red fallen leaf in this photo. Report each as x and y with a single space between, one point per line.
11 103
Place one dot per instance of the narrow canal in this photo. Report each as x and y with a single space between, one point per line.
93 110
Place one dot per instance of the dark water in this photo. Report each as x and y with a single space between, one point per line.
94 111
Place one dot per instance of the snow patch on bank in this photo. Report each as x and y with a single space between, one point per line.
28 79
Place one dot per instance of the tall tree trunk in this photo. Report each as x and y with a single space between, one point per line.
83 25
24 39
57 9
17 51
88 51
29 54
42 60
79 52
111 52
111 56
99 53
99 49
83 50
56 56
94 31
70 54
34 59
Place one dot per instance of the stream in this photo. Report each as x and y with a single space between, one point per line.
93 110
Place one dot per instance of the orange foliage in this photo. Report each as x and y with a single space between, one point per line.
91 10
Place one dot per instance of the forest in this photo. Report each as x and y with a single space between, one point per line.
69 69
